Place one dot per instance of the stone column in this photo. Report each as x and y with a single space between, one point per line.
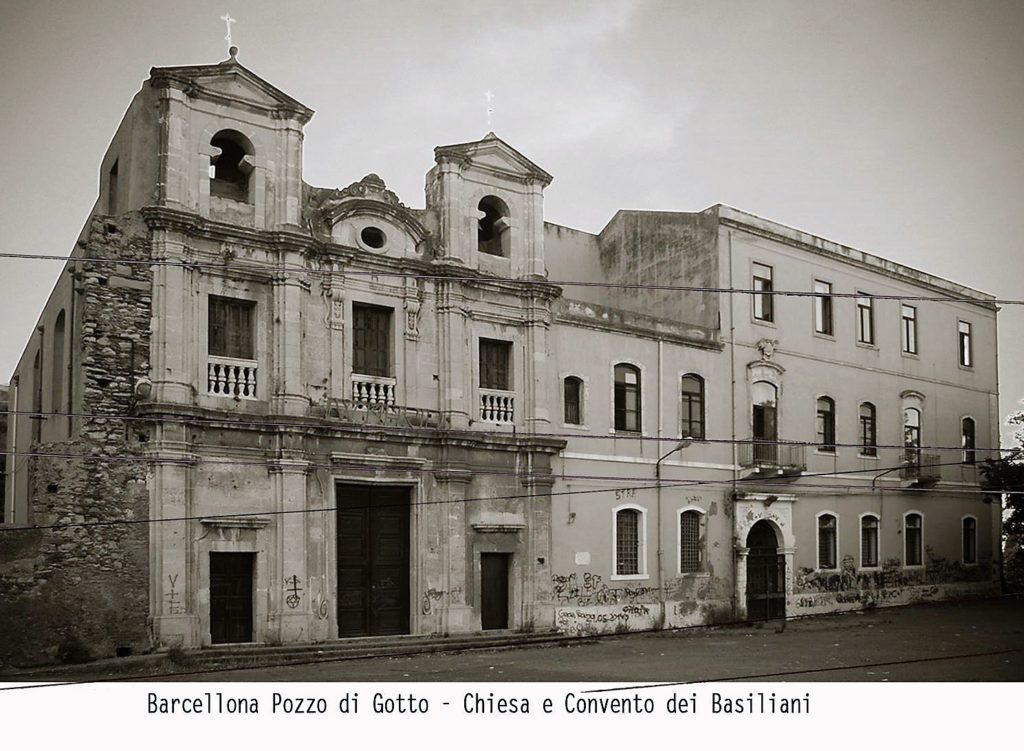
289 290
173 342
538 608
457 391
173 604
740 593
451 491
290 597
537 373
174 176
287 209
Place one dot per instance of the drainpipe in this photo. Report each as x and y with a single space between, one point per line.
657 472
683 443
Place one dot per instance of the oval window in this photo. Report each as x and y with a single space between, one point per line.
373 237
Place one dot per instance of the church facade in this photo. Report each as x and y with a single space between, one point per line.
258 411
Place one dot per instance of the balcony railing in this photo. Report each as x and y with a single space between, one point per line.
772 457
228 376
395 415
920 468
373 390
497 406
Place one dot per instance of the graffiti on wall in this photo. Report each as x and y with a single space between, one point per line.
294 590
591 589
891 575
591 622
173 596
433 596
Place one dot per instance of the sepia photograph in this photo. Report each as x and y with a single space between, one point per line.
544 359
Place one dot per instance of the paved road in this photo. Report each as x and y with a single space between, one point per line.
976 641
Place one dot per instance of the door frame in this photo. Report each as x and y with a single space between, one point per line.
231 535
411 480
507 543
749 508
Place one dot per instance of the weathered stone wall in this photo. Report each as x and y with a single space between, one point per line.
74 582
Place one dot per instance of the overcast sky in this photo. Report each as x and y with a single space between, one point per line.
895 127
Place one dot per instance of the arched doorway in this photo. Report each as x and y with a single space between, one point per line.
766 574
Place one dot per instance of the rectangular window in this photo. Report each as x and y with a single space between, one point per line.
865 320
371 340
495 357
964 336
230 328
689 542
822 307
909 316
763 307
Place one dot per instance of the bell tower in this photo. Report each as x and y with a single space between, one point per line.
489 201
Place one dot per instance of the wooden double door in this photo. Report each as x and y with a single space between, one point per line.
373 559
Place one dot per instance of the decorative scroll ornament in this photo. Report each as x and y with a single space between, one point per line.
767 348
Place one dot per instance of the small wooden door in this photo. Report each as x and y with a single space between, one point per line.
766 574
494 570
373 560
231 590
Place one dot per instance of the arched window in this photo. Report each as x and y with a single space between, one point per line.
492 227
572 388
627 398
690 553
967 439
629 542
58 374
826 424
231 167
869 541
868 430
827 554
970 539
913 537
693 406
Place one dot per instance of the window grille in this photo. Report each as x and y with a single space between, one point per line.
912 539
627 542
869 542
689 542
826 541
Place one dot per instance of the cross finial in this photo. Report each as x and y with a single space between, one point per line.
490 110
228 20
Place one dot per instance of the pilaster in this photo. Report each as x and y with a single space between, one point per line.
291 612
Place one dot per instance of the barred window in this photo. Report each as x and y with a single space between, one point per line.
826 541
970 539
869 541
912 534
371 340
627 542
689 542
573 400
693 406
230 327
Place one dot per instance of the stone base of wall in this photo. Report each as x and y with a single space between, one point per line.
816 603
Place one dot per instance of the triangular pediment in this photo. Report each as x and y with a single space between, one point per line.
230 81
495 156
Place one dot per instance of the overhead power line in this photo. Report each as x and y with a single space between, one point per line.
278 268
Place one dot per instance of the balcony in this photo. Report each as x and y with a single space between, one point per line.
497 406
772 460
919 470
228 376
373 390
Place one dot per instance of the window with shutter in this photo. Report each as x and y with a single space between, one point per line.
495 358
230 328
371 340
